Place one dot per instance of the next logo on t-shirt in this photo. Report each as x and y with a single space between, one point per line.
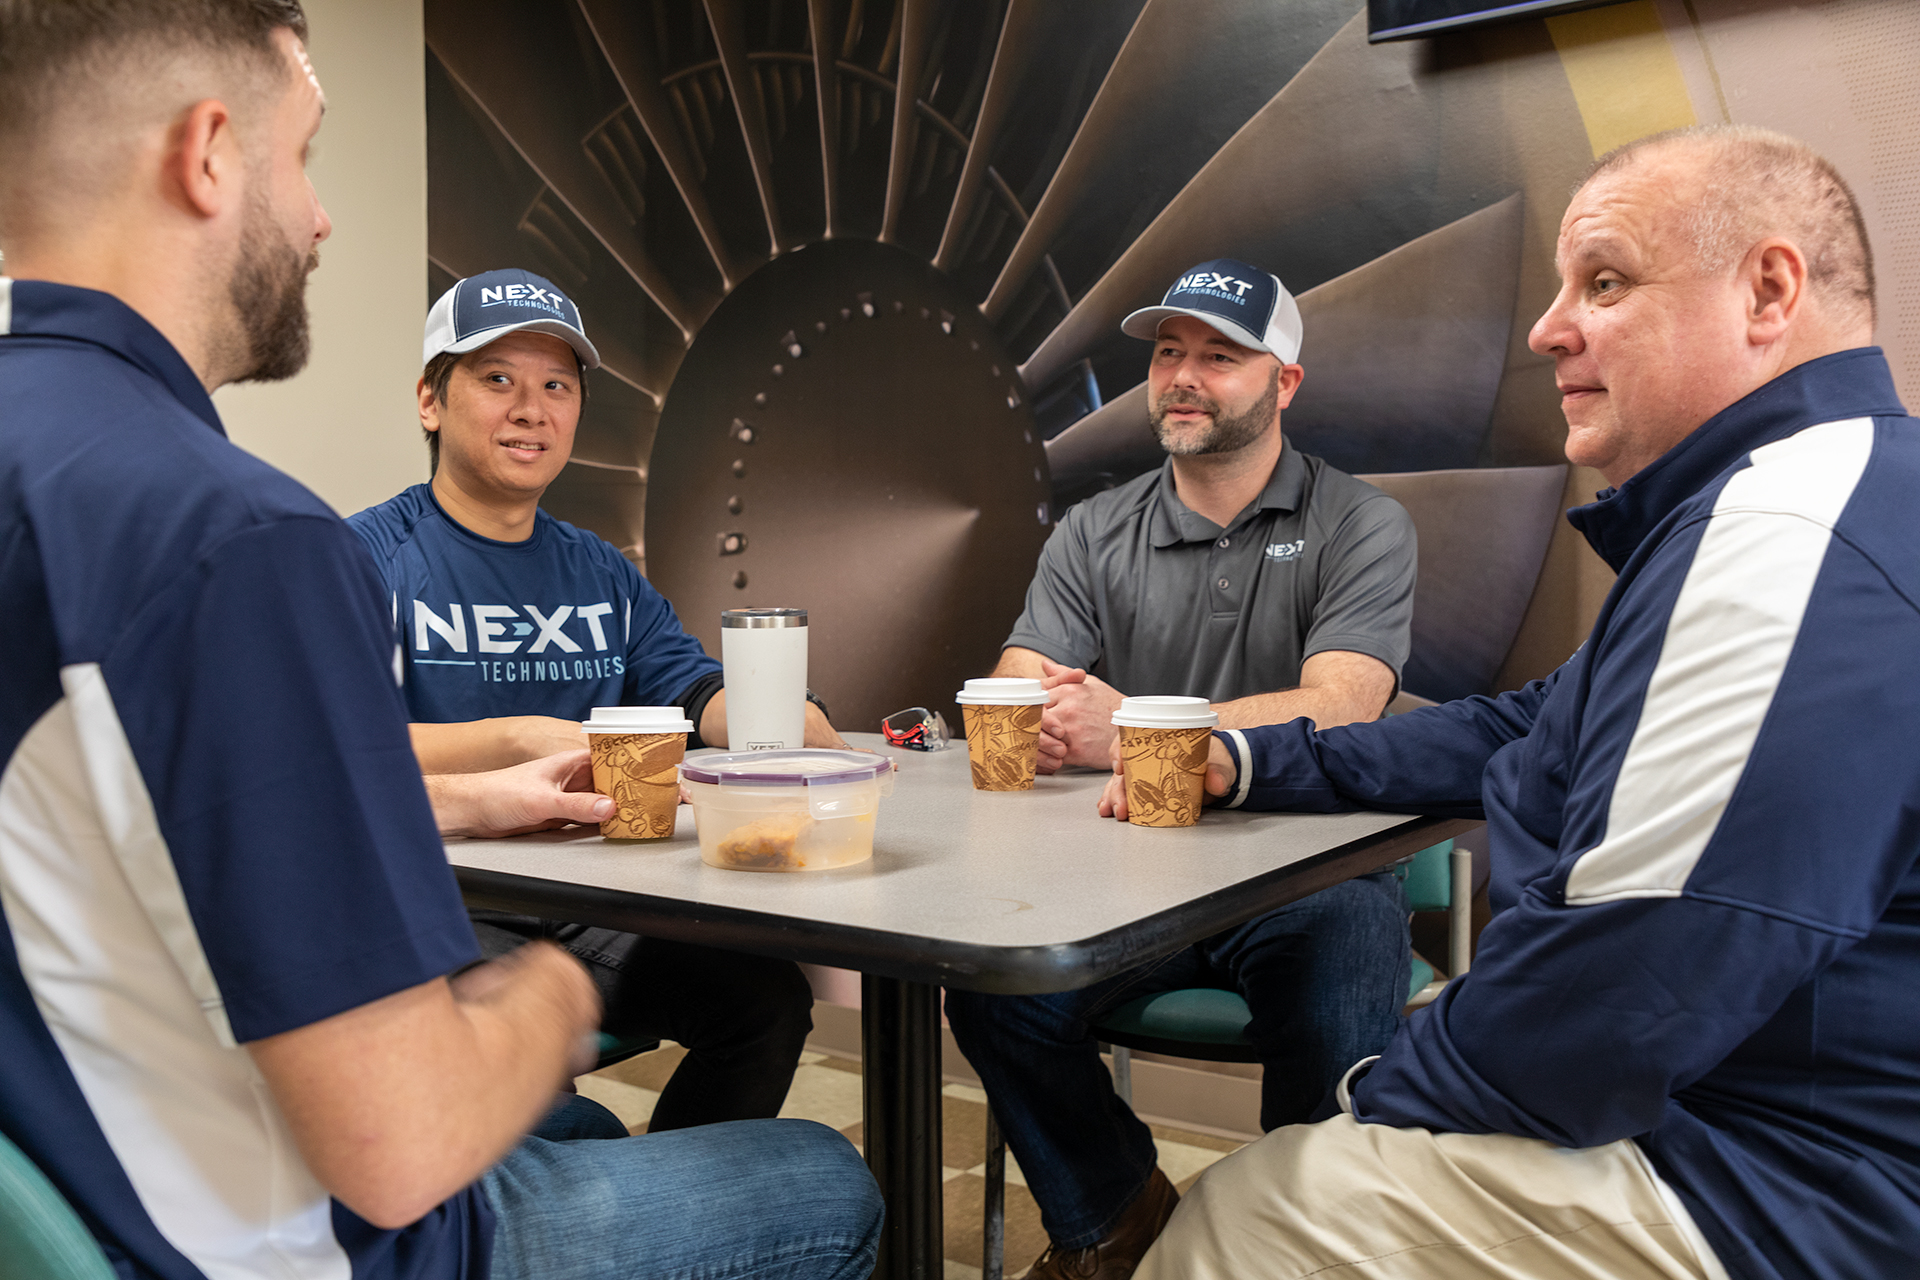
499 628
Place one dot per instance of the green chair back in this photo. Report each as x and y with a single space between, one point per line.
1429 878
40 1235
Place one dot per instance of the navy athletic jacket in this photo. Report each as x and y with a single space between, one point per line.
1703 829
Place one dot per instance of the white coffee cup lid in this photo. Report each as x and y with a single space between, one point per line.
1166 713
638 720
1001 691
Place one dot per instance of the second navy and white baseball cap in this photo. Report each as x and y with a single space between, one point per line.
1243 302
488 306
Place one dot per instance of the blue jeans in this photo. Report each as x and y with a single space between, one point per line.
579 1200
1324 977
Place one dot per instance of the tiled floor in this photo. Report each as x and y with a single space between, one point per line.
828 1090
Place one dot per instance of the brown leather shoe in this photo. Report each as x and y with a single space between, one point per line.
1115 1257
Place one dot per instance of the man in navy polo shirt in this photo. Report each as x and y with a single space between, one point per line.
513 625
229 1035
1248 573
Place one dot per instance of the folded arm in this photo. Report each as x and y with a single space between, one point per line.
1336 687
1429 761
397 1104
1734 823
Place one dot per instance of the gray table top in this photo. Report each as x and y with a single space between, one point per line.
1003 891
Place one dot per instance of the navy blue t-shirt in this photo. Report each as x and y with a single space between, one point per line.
554 626
212 827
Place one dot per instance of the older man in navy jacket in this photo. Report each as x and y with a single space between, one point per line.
1687 1045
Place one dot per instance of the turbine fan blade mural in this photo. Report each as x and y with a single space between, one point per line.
893 240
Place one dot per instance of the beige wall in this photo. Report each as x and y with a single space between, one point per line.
347 427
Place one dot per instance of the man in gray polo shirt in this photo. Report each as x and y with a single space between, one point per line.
1273 585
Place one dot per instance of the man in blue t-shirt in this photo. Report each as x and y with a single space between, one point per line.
240 1030
513 625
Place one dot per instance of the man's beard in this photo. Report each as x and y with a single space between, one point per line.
1229 433
269 293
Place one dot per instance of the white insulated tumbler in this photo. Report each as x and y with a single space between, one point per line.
764 652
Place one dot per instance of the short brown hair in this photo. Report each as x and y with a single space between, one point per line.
54 53
1758 183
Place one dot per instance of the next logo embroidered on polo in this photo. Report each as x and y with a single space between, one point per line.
1286 550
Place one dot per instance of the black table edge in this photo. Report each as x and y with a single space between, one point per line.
970 966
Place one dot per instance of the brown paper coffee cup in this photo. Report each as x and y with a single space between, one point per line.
1003 745
641 772
1165 772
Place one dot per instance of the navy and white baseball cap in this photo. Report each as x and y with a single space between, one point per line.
496 303
1243 302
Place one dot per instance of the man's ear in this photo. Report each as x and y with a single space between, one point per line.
1291 376
429 407
203 166
1775 278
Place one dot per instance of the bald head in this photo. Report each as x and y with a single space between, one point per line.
1750 184
1696 267
85 83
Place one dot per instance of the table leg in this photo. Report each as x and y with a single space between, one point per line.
900 1037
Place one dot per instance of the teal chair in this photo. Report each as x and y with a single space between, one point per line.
618 1049
1208 1024
40 1235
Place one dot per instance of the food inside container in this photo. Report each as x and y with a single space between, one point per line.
804 810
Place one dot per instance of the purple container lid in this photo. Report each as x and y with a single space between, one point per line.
804 767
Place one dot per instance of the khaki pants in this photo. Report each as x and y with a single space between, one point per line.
1348 1201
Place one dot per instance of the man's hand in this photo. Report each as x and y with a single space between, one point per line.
1220 779
1077 726
536 796
820 733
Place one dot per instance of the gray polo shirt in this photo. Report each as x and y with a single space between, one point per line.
1155 599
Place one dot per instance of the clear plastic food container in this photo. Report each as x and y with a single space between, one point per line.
804 810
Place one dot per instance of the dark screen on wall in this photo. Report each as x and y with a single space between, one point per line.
1411 19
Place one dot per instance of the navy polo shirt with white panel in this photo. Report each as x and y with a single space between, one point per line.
1157 599
212 826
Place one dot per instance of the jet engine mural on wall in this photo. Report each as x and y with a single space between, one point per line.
856 269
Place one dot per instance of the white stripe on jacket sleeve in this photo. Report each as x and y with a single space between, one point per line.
1243 768
1727 642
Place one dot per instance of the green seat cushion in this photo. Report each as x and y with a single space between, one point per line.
1199 1015
40 1235
1206 1015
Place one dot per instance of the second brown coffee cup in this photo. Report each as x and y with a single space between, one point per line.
1164 744
1002 719
636 762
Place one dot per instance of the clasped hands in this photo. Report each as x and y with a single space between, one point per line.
1077 728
